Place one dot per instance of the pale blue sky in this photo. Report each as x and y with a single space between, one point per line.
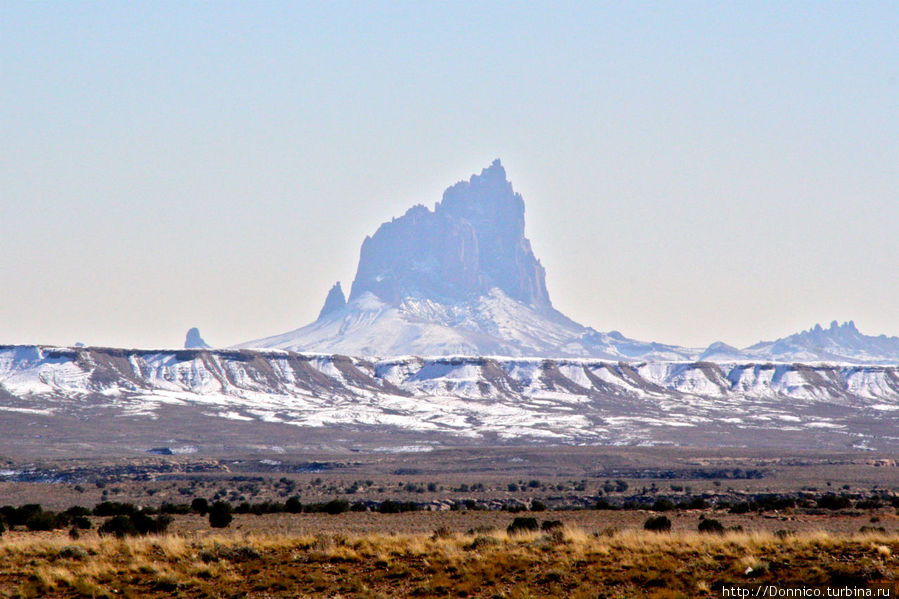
692 171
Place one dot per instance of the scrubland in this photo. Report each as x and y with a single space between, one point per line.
488 563
816 521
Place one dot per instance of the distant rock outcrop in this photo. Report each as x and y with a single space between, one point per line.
473 241
720 351
335 301
194 341
839 343
459 279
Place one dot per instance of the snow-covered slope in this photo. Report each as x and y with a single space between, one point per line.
492 324
478 399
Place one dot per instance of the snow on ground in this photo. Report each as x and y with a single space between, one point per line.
555 400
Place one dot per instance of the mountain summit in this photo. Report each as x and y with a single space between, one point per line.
472 242
462 279
459 279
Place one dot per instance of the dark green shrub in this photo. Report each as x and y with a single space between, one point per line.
43 521
711 525
551 525
120 526
396 507
138 523
522 524
265 507
740 508
293 505
18 516
768 502
114 508
220 514
698 503
658 524
336 506
145 524
200 505
174 508
538 506
662 505
834 502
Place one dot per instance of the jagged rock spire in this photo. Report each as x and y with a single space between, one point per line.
335 301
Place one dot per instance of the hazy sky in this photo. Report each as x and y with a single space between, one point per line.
691 171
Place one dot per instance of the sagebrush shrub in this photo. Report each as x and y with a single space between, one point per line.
658 524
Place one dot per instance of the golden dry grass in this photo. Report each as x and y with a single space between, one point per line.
566 563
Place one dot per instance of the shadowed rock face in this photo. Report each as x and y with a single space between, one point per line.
335 301
471 242
194 341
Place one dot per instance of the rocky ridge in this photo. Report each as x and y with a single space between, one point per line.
461 399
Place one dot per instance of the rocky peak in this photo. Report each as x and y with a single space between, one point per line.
194 341
473 241
834 331
335 301
720 350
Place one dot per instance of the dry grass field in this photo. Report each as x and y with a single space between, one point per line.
457 544
491 564
592 521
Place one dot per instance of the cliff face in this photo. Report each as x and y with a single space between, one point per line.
473 241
